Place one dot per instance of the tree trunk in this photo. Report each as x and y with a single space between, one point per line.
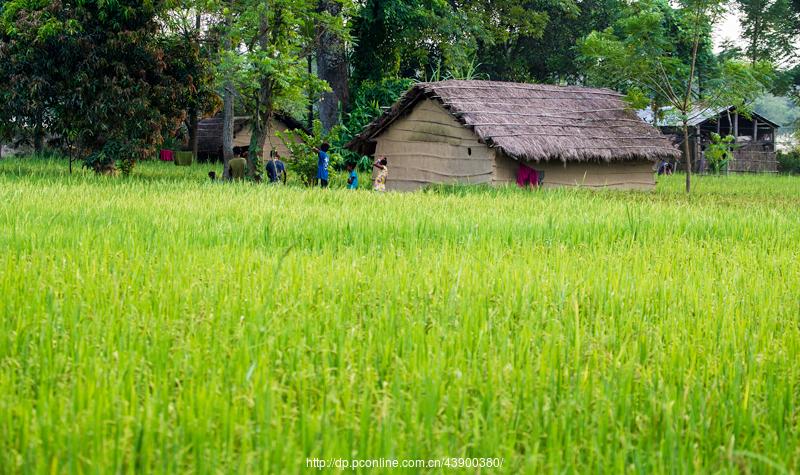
332 67
195 119
258 139
193 125
310 115
688 160
38 139
227 130
263 113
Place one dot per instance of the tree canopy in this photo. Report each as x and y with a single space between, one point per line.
91 72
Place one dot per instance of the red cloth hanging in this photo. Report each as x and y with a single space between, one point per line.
527 176
167 155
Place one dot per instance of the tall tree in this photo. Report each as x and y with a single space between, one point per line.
770 29
94 72
332 64
640 56
191 49
268 62
227 71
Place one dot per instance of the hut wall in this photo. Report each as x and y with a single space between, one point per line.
242 139
630 175
430 146
210 139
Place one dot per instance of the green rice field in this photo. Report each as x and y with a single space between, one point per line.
166 324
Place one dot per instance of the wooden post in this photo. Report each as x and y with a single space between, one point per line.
755 130
695 149
736 125
719 119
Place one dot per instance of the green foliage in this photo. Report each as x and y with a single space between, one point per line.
93 72
645 55
189 63
368 102
267 58
649 50
770 28
112 156
303 147
473 38
719 153
780 109
789 162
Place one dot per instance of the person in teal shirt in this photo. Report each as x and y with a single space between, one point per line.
352 178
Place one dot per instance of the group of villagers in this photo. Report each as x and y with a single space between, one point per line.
276 169
380 165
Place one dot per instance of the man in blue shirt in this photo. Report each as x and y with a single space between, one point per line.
276 170
322 164
352 177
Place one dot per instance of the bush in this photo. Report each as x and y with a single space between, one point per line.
719 153
304 156
789 162
104 161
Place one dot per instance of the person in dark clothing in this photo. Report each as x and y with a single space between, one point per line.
276 169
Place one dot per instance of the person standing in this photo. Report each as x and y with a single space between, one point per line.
381 174
323 160
352 177
238 168
276 169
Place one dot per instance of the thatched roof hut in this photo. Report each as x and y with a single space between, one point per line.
754 135
481 131
209 140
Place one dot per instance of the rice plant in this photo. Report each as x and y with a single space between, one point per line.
163 323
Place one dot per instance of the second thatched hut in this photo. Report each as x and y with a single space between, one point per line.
500 132
209 132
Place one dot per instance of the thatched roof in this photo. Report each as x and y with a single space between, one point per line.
209 139
536 122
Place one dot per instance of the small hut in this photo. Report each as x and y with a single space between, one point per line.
754 149
209 139
492 132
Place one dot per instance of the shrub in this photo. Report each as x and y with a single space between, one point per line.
104 161
369 101
304 156
789 162
719 152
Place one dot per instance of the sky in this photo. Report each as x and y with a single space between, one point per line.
727 29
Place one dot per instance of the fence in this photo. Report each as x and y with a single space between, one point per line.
753 161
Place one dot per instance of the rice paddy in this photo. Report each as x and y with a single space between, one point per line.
167 324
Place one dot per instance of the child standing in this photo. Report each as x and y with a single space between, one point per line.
323 159
352 177
381 174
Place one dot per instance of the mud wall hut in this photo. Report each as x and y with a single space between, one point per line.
488 132
209 140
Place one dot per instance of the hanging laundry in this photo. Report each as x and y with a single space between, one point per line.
527 176
167 155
